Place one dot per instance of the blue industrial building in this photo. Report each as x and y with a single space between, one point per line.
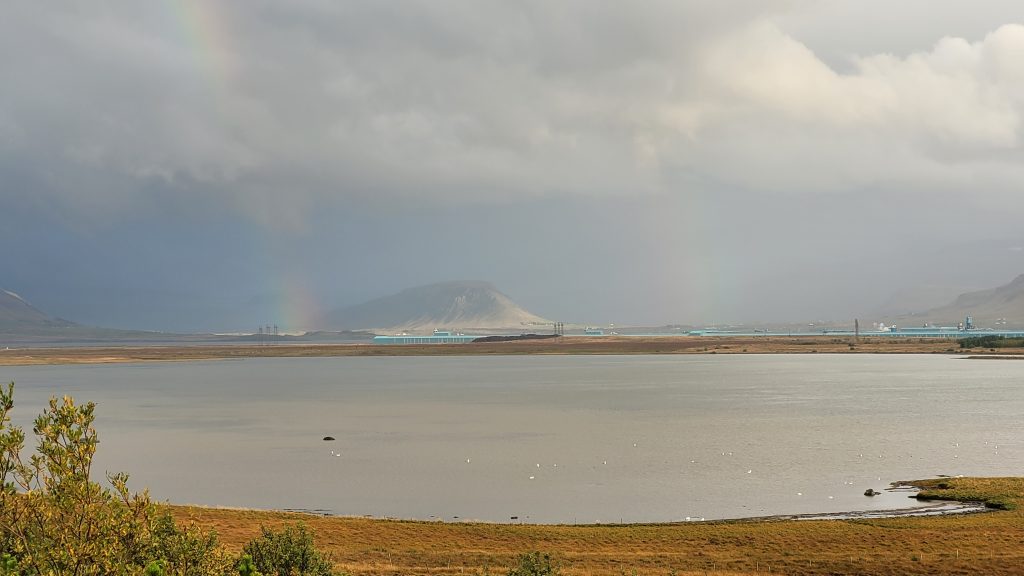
438 337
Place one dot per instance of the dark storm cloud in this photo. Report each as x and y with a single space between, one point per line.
691 148
344 99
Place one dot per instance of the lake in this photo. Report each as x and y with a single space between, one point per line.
546 439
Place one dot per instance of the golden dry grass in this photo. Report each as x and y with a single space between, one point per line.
990 543
565 345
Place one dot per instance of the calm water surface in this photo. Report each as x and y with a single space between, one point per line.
547 439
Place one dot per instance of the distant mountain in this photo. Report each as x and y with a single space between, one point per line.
23 323
17 314
987 307
920 298
448 305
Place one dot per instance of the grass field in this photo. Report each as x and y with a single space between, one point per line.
565 345
988 543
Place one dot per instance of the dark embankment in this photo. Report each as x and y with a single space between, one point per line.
517 338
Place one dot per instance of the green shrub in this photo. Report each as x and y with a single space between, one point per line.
246 567
53 518
55 521
991 341
188 551
534 564
289 552
980 341
8 565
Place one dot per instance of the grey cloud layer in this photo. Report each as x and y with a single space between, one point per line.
468 99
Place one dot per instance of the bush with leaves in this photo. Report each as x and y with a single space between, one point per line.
187 551
534 564
54 520
289 552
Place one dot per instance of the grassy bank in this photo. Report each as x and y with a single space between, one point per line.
990 543
566 345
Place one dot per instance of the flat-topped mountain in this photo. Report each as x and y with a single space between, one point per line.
1003 304
466 305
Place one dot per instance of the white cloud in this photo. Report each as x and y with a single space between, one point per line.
786 120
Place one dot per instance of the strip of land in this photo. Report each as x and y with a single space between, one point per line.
564 345
990 543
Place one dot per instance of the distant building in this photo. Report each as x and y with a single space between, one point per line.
438 337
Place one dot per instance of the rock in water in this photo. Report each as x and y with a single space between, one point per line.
871 492
328 438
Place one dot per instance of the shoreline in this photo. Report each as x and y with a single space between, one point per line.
567 345
929 509
926 508
963 543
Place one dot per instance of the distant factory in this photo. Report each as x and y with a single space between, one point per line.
438 337
965 329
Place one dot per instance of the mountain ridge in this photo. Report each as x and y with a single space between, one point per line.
1003 304
16 312
463 305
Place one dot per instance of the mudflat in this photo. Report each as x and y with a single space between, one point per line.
564 345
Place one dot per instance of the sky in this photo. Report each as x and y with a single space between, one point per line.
198 165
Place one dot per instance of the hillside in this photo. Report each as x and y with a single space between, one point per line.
448 305
22 323
987 307
17 314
